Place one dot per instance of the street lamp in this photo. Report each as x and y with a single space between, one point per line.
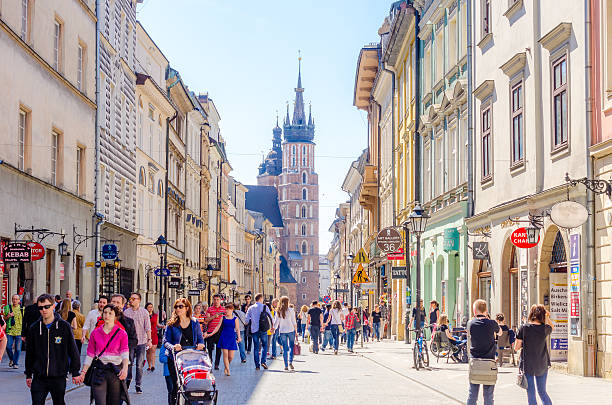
418 222
161 244
337 277
62 248
209 273
350 258
533 234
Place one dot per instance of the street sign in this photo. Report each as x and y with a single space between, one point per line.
326 299
161 272
38 251
175 282
399 273
89 264
367 286
341 290
17 252
361 275
397 255
109 251
480 251
389 240
361 257
194 292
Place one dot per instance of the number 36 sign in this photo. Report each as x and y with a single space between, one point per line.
389 240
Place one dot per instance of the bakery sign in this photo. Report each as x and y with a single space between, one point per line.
17 252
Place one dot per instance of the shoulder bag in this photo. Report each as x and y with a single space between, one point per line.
96 363
521 380
482 371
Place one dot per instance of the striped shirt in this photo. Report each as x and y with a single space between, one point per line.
116 351
141 322
212 310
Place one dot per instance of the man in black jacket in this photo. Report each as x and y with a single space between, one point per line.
30 316
51 353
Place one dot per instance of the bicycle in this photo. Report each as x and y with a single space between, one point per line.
420 353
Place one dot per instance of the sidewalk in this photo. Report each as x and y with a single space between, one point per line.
452 379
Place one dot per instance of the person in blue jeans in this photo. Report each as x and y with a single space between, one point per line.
242 325
376 315
327 334
315 320
349 323
13 315
286 324
260 338
333 322
535 360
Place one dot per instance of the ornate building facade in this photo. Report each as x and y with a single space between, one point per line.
290 167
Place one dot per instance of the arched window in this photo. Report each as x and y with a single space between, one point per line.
141 176
151 183
293 150
303 211
304 194
304 178
304 248
303 230
160 188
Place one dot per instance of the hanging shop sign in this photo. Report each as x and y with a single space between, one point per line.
480 250
2 267
110 251
62 272
574 288
569 214
201 285
451 239
397 255
399 273
389 240
194 292
16 252
4 290
520 240
175 268
175 282
38 250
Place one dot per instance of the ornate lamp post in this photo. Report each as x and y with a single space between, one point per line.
161 244
418 222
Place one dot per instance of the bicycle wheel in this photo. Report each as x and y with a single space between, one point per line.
434 348
425 356
416 355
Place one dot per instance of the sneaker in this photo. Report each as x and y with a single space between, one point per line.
11 363
152 369
248 352
138 390
264 365
322 349
257 368
291 366
15 366
286 369
335 351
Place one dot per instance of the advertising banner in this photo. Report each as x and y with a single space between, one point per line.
558 315
574 287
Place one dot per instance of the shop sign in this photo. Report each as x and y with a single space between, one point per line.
397 255
558 315
389 240
16 252
175 268
574 289
38 251
61 272
175 282
2 268
519 239
194 292
399 273
451 239
5 291
110 251
201 285
480 251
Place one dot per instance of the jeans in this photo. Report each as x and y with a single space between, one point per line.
41 386
487 393
274 342
211 341
138 353
241 346
108 392
249 340
170 388
377 330
335 331
13 355
315 331
303 331
287 340
327 338
260 341
540 382
350 338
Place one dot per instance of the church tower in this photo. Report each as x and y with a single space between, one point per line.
298 192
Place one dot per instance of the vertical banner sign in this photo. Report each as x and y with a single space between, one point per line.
558 316
4 290
574 289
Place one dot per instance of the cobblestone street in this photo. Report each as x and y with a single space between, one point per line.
380 372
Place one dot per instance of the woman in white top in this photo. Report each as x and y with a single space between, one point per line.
304 320
336 317
286 324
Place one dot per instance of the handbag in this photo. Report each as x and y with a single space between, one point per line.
96 363
521 380
483 371
297 349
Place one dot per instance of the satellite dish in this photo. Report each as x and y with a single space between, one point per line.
569 214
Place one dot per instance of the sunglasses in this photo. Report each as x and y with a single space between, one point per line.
41 307
179 306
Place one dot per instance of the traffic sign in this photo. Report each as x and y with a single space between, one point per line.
89 264
98 264
367 286
361 275
362 257
161 272
326 299
109 251
389 240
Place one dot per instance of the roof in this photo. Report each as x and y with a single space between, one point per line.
264 199
285 272
294 255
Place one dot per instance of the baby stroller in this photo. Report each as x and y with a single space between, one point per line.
196 382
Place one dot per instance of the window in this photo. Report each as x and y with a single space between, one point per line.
486 17
303 211
141 176
304 194
440 175
54 155
560 104
303 279
451 145
57 44
486 143
151 183
518 152
293 161
80 154
427 167
141 211
304 179
304 248
303 230
80 67
21 139
160 188
25 20
303 296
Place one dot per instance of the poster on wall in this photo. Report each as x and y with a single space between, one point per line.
559 316
574 288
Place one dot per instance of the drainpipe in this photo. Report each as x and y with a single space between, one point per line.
97 219
537 66
589 275
187 144
470 152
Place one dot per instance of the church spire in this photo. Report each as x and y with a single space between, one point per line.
287 122
309 114
299 117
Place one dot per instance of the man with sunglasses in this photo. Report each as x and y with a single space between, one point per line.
142 323
51 353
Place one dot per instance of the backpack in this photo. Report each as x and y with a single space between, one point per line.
265 321
511 336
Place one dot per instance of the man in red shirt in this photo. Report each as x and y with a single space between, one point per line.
214 316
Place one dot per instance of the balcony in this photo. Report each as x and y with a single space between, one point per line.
368 194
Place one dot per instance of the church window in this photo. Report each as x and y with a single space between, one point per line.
304 194
304 248
304 178
303 230
303 211
293 161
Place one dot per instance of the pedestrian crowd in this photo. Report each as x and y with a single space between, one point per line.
123 335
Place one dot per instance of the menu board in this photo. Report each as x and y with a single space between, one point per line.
558 315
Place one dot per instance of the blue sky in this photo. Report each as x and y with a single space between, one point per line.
244 54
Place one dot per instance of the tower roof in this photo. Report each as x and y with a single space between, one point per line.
299 129
299 117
